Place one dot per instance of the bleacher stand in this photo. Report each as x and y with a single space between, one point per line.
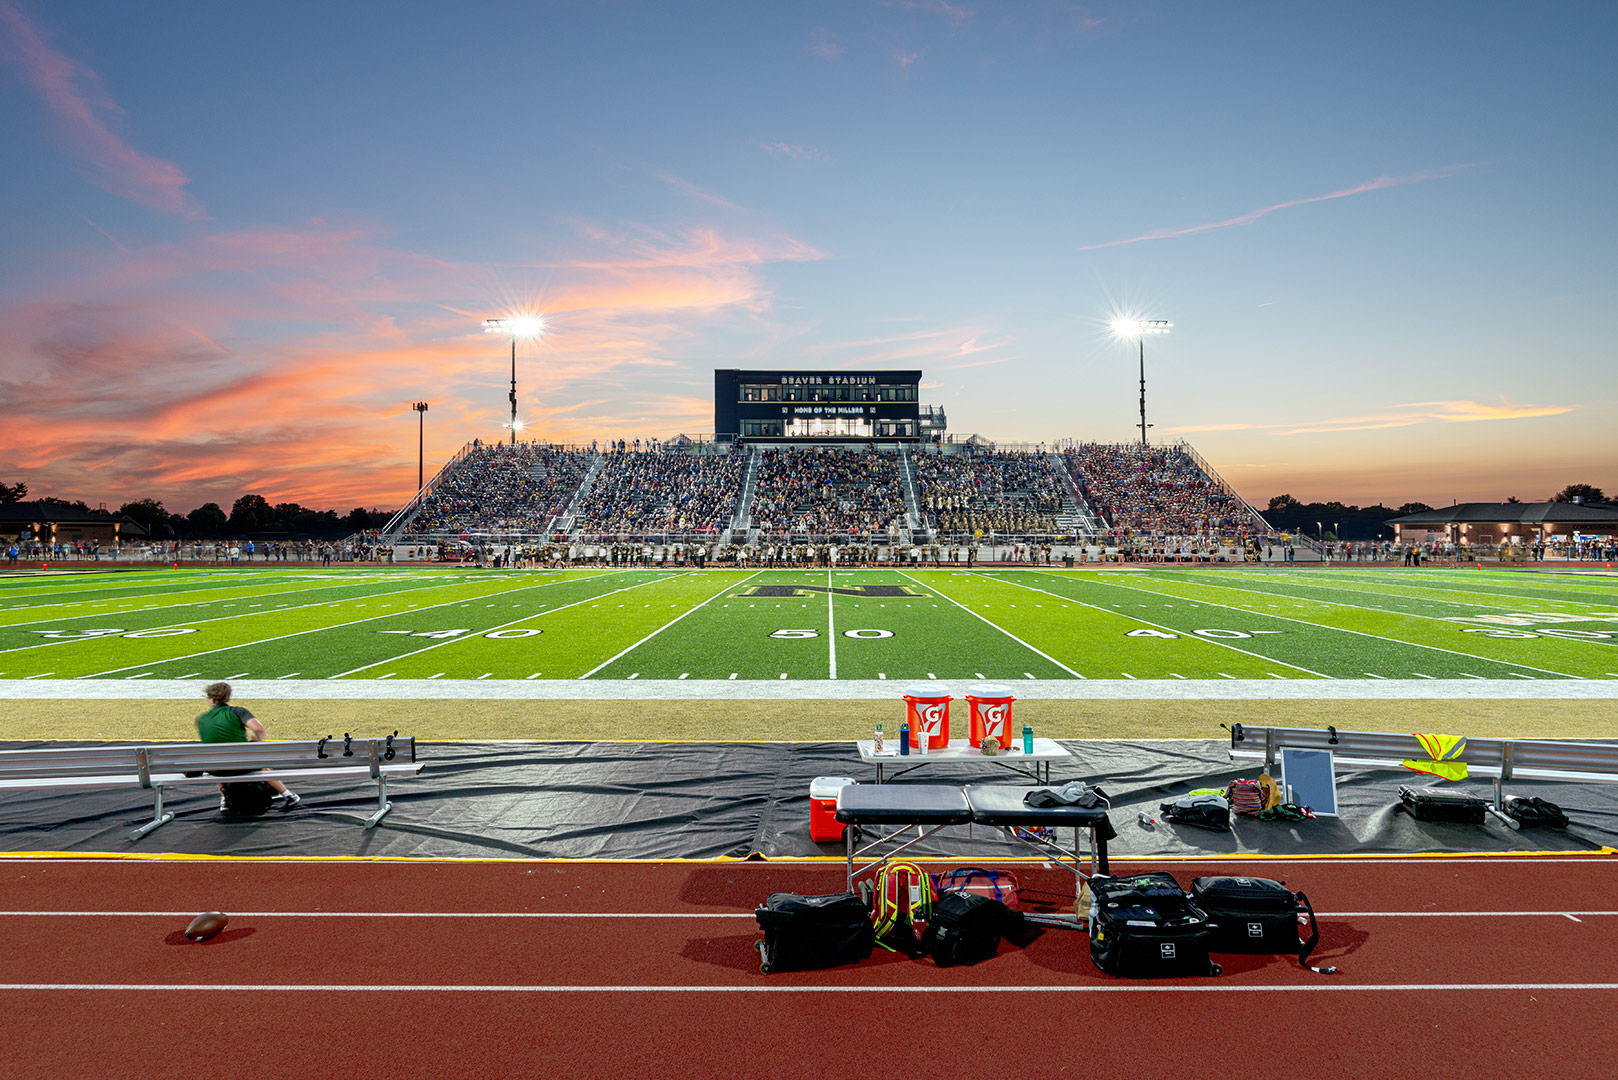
498 487
662 491
1004 492
827 492
1156 491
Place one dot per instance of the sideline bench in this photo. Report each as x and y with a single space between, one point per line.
927 808
167 765
1502 759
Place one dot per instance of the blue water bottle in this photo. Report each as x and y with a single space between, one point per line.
904 740
1027 739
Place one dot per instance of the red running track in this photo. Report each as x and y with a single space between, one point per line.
1481 967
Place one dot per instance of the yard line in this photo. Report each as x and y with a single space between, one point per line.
831 626
1519 675
440 675
980 674
1227 675
238 675
1466 675
732 674
1126 674
1028 674
672 621
485 675
389 675
685 674
535 675
144 674
1419 675
1137 618
1374 675
313 630
1002 629
783 674
1345 630
1273 675
286 676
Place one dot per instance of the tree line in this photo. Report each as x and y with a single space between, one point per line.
249 515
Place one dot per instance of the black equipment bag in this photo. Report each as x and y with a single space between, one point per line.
965 928
1203 811
1436 804
246 798
805 933
1529 812
1145 927
1256 915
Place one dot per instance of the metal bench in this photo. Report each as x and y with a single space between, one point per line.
927 808
165 765
1501 759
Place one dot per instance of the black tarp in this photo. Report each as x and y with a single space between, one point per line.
707 800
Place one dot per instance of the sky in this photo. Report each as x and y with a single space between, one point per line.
237 242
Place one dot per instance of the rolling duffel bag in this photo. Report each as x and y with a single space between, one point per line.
1435 804
805 933
1145 927
1256 915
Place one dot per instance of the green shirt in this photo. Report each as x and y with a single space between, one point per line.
224 723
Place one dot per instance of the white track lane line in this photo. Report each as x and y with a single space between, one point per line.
702 914
495 988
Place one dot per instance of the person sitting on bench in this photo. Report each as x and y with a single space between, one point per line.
224 722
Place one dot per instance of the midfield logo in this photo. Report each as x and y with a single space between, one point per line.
869 592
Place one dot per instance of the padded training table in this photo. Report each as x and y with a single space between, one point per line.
1045 751
927 808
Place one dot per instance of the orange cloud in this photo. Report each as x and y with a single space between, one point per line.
1408 415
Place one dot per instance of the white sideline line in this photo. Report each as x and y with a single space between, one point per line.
704 914
1102 988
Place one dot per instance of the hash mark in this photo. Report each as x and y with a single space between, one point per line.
535 675
1029 674
685 675
142 675
440 675
1126 674
486 674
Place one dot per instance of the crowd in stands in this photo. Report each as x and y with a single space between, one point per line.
827 492
989 492
499 487
647 491
1156 490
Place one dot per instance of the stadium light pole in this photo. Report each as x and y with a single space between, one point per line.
421 442
524 327
1138 329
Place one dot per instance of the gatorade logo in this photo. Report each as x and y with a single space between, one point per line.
1255 929
1167 950
932 718
994 719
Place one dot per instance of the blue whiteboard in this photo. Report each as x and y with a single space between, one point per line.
1308 780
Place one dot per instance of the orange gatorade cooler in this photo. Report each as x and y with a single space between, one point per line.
927 710
991 713
823 824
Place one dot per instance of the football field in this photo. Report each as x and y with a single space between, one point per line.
1001 625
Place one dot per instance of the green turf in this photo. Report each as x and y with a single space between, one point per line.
811 625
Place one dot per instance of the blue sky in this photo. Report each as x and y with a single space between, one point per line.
239 241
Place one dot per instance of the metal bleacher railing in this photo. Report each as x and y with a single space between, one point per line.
1500 759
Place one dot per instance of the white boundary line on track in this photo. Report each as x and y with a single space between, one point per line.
697 914
668 624
1054 689
496 988
391 863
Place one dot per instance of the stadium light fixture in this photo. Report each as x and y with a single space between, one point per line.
521 327
1127 328
421 442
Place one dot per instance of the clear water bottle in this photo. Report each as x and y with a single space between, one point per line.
878 738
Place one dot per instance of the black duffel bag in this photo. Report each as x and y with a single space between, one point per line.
805 933
965 928
1257 915
1145 927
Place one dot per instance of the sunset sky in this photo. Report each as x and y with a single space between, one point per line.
237 241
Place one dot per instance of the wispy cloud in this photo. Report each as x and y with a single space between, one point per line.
1251 216
79 103
1397 416
791 150
954 14
824 44
904 58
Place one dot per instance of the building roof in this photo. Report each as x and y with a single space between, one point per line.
1540 513
37 513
